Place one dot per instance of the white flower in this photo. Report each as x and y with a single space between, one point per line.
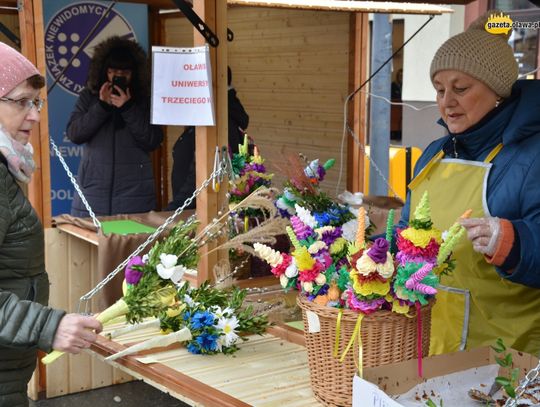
281 204
291 271
307 286
221 313
349 230
168 260
305 216
174 274
311 169
168 269
268 254
145 258
320 279
283 280
228 327
317 246
323 229
189 301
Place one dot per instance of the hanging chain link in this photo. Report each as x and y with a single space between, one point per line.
221 168
95 220
529 377
371 162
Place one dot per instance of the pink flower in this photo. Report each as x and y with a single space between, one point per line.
279 270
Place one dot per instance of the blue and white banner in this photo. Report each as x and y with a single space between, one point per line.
68 23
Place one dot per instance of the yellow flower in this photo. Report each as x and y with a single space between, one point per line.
400 309
257 159
422 237
371 287
338 245
304 261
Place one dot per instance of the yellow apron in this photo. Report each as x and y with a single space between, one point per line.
475 306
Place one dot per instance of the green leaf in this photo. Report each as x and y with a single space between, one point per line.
503 381
514 375
509 389
499 346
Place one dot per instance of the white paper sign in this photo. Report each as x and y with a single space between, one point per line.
366 394
182 86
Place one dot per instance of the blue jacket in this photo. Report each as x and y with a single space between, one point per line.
513 189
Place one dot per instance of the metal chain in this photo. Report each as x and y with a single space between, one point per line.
95 220
371 162
215 174
529 377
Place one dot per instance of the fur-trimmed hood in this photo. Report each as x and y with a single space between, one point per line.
97 73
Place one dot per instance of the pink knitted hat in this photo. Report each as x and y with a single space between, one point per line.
14 69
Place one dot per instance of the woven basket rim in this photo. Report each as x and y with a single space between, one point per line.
350 315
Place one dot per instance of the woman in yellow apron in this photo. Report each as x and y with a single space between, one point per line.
489 162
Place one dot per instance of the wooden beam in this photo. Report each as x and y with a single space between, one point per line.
210 202
349 6
358 65
33 47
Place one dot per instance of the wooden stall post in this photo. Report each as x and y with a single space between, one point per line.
33 47
214 14
357 107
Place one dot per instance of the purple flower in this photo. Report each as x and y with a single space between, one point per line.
301 230
330 236
132 275
378 251
321 172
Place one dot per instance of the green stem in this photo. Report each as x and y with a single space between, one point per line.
117 309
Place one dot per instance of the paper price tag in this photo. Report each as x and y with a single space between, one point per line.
314 325
366 394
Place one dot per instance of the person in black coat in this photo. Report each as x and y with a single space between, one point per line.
183 172
112 121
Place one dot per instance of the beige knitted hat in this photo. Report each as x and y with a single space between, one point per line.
480 54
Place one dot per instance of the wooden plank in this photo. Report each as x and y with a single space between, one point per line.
101 372
290 69
32 46
33 386
81 233
358 66
209 202
56 242
169 378
80 282
284 380
350 6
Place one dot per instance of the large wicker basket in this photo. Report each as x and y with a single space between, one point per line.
387 337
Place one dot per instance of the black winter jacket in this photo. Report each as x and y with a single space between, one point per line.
115 173
26 323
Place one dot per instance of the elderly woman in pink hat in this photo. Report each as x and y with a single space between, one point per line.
27 323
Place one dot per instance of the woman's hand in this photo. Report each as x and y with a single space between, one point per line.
121 98
76 332
484 233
